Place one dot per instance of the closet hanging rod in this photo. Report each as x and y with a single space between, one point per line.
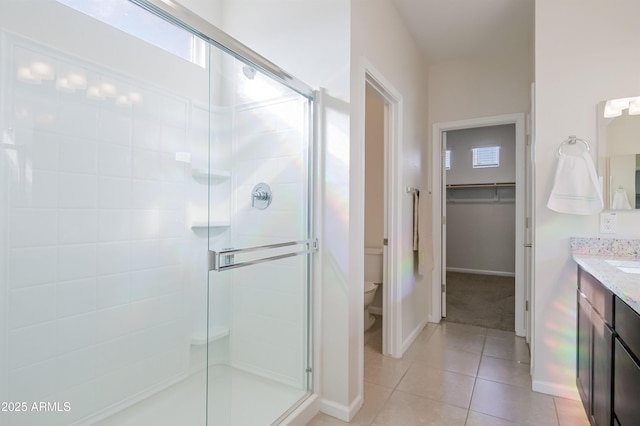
481 185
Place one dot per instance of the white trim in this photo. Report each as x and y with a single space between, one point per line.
556 389
339 411
482 272
318 261
532 226
392 291
438 128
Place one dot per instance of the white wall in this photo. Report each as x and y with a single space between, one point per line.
574 71
380 36
473 88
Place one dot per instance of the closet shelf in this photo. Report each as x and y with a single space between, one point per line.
214 173
216 332
481 193
212 224
481 185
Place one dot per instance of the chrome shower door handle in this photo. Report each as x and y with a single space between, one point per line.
223 260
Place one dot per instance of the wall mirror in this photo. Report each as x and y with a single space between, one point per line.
619 152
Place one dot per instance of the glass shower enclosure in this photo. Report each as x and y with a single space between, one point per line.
156 239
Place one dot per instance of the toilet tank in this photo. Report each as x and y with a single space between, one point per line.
373 264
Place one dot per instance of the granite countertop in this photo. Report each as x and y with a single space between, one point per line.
601 257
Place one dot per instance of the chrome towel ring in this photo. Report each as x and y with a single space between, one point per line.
572 140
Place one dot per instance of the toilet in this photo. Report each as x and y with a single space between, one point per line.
372 280
369 293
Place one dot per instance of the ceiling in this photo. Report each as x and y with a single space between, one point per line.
454 29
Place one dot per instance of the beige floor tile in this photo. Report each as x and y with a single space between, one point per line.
505 371
416 350
500 334
322 419
452 327
375 397
448 359
383 370
408 410
479 419
515 349
570 412
513 403
444 386
454 340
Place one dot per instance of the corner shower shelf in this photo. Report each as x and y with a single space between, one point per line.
212 224
213 173
215 332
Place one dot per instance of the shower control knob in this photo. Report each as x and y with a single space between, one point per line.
261 196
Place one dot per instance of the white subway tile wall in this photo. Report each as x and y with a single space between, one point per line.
268 313
96 241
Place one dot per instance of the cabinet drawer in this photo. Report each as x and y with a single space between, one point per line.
626 387
627 323
600 297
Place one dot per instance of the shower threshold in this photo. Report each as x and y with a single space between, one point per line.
236 398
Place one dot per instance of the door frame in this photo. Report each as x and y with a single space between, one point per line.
391 296
518 119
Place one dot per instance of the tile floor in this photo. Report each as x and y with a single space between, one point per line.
455 374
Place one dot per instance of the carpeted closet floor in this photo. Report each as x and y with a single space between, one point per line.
483 300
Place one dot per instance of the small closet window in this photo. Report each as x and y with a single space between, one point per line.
447 159
486 156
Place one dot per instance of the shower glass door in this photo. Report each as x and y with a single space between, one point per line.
260 243
130 148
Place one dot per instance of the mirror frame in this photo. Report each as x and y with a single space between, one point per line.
603 159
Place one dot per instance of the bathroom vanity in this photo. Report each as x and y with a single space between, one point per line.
608 338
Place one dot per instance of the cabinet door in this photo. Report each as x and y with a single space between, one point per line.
626 387
601 358
583 379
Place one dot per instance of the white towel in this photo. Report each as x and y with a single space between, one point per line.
416 218
620 200
425 240
576 188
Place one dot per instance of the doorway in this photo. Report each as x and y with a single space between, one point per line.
479 205
470 194
387 199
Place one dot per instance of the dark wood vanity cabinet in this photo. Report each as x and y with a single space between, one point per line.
626 370
595 348
608 345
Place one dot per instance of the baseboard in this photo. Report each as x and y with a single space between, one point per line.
303 414
340 411
556 389
413 335
482 272
375 310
